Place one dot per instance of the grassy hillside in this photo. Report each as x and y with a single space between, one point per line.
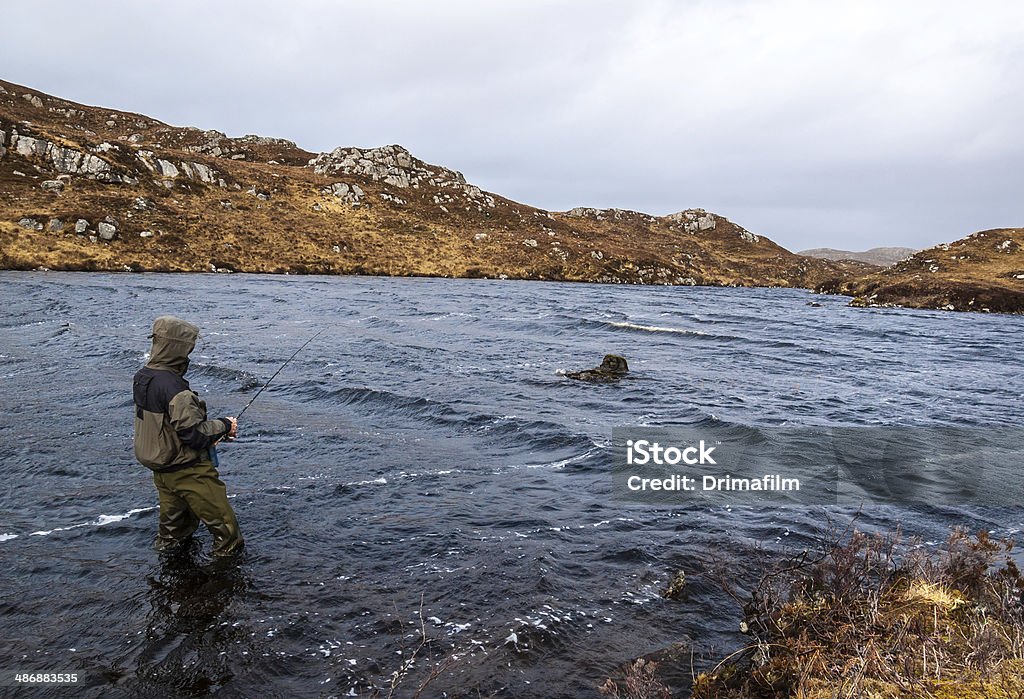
982 272
86 188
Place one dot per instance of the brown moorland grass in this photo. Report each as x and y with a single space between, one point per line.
271 215
982 272
294 227
870 616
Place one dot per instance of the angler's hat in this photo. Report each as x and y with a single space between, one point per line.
176 329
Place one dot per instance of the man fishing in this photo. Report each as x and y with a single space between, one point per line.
174 438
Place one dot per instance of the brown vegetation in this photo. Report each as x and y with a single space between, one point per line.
266 210
870 617
982 272
638 682
270 214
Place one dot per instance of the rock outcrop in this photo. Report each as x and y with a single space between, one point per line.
348 193
609 214
67 160
166 169
694 221
395 166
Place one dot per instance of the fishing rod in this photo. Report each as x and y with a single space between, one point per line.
294 354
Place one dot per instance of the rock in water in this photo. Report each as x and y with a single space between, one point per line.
612 368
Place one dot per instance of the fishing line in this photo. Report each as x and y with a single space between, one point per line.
287 362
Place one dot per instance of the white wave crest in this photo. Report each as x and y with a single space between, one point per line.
375 481
100 521
656 328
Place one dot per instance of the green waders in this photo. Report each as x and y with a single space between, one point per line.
192 494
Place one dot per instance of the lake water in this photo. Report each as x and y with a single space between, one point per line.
425 466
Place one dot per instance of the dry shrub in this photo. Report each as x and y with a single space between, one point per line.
869 617
639 682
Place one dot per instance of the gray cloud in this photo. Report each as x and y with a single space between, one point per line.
841 124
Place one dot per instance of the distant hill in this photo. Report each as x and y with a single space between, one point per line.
982 272
883 257
89 188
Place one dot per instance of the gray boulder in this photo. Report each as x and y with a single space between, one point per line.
204 173
31 224
28 147
165 168
107 231
55 186
350 193
198 171
55 225
81 226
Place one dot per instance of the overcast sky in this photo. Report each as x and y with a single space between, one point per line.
841 124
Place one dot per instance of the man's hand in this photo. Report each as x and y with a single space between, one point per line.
233 434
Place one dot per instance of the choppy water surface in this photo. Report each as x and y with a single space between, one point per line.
424 466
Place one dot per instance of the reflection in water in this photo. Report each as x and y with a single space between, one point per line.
190 633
